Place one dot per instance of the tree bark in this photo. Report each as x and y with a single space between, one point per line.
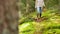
8 17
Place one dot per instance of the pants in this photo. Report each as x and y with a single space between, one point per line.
39 11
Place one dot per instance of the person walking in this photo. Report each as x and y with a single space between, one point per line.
39 5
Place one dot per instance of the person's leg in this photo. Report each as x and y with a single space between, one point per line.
39 11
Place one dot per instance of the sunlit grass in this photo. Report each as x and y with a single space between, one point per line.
47 26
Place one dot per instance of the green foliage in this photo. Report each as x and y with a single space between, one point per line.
30 29
51 3
49 26
23 6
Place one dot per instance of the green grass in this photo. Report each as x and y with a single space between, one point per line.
49 26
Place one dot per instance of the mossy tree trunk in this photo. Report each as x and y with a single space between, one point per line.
8 17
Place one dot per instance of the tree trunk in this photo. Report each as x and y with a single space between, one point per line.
8 17
27 6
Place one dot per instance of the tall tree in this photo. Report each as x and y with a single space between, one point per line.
8 17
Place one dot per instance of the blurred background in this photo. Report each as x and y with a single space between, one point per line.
27 12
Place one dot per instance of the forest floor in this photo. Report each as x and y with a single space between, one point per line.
51 25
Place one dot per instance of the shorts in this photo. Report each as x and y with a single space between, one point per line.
39 9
